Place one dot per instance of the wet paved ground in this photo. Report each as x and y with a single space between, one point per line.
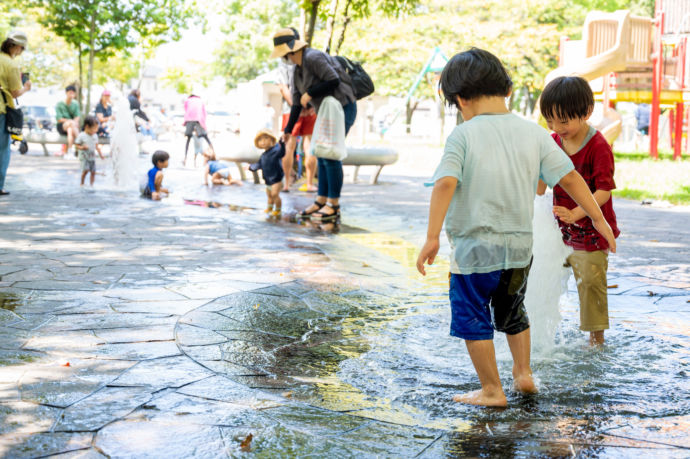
138 329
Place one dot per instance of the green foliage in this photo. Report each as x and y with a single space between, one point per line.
179 80
249 29
121 67
111 25
48 58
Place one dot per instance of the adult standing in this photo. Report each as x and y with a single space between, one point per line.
11 88
304 126
104 114
316 76
67 115
194 121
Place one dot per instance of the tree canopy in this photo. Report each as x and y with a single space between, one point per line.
101 28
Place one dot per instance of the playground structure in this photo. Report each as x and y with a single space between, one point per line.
629 58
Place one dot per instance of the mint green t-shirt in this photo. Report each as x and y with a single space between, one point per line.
498 160
66 112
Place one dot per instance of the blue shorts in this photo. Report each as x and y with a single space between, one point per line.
482 303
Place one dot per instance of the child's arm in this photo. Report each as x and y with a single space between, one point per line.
158 182
570 216
100 152
541 188
440 200
576 187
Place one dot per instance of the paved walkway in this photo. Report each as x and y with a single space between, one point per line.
130 328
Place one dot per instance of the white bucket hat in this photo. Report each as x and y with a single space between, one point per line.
18 37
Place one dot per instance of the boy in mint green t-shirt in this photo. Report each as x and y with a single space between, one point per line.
484 188
67 116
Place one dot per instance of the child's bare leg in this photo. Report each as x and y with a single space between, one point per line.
232 181
596 338
522 373
483 358
92 178
269 199
277 201
83 175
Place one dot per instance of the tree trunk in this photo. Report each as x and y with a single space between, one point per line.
346 21
313 15
81 80
92 53
330 24
409 110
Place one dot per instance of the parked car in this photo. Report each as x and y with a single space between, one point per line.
38 117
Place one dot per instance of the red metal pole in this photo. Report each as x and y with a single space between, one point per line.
678 138
682 56
657 76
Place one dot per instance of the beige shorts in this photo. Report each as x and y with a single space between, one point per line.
590 276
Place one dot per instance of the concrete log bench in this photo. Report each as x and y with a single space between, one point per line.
356 156
52 138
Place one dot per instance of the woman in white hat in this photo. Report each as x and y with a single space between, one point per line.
11 88
316 76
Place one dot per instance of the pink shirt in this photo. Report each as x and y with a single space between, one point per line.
194 110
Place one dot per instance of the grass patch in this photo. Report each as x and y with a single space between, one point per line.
644 155
655 180
681 198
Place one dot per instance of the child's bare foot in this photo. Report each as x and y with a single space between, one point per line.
483 398
524 383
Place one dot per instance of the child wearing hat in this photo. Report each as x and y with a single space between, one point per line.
271 167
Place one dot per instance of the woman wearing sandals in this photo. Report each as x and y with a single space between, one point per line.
317 75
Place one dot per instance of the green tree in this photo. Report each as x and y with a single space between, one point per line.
100 28
250 25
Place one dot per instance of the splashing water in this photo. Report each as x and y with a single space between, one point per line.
124 146
547 279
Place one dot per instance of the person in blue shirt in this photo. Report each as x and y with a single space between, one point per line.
484 188
219 172
152 188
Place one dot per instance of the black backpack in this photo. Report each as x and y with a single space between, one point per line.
361 81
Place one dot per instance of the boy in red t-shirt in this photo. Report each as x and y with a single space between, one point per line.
567 104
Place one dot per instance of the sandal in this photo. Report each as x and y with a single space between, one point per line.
327 217
305 214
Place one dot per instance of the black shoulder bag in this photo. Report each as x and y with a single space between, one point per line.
14 118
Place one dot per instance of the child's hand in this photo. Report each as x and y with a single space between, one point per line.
564 214
427 254
604 229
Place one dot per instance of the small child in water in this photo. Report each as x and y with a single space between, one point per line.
271 167
219 172
484 188
152 188
87 145
567 104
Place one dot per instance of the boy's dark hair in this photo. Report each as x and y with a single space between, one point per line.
566 98
90 121
159 156
71 88
472 74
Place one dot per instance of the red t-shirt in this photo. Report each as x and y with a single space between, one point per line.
594 162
